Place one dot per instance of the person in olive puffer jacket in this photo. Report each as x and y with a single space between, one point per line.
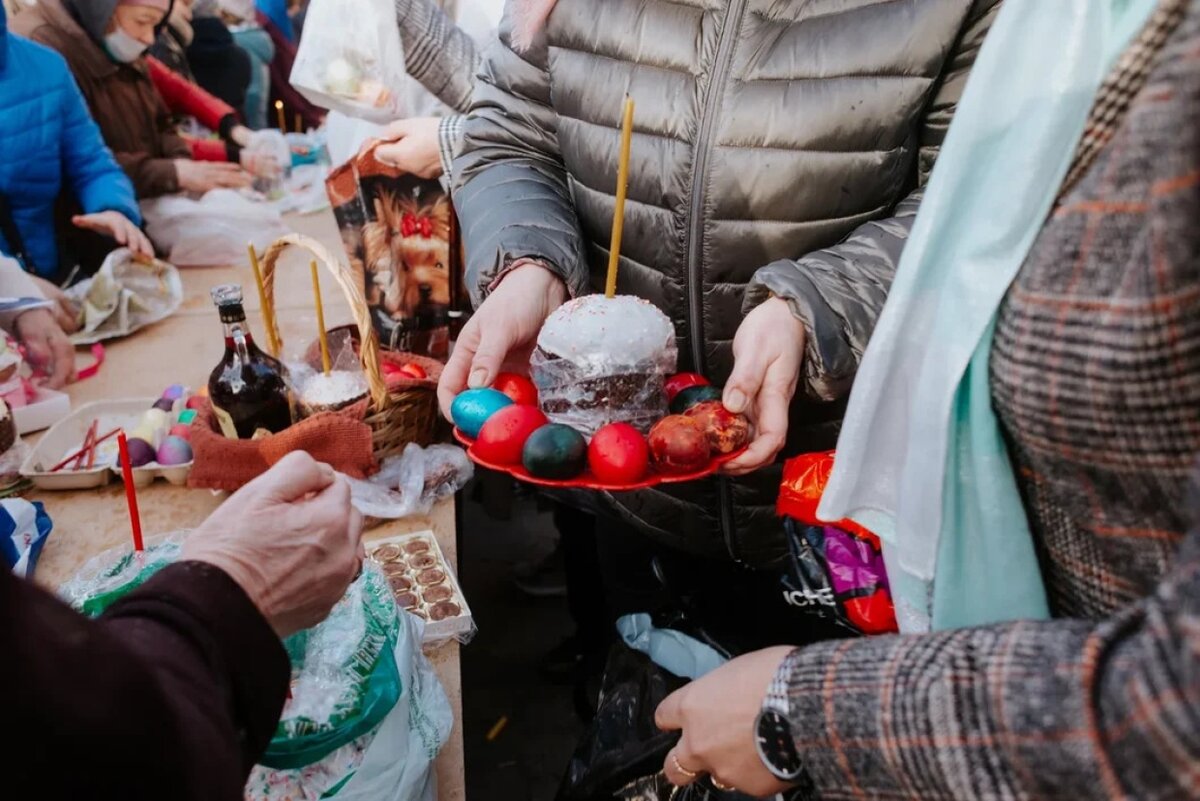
779 155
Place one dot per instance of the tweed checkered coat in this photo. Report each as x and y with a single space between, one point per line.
1096 380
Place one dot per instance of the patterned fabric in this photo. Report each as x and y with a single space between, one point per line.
1096 379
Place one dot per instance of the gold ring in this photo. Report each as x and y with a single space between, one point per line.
689 773
722 787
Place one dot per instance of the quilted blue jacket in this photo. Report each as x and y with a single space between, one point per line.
48 137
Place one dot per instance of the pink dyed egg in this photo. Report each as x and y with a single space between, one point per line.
182 431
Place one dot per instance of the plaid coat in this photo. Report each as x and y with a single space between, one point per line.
1096 379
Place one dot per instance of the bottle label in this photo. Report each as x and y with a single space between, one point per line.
225 422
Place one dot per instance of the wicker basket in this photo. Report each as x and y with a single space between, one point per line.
402 413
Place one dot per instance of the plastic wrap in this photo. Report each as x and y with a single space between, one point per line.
604 360
211 230
410 484
350 58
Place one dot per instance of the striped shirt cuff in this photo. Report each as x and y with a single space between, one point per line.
450 136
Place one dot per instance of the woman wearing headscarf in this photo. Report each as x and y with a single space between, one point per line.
1022 435
104 42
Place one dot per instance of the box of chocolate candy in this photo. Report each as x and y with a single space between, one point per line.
424 584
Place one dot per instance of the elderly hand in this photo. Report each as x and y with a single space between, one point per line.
716 715
768 351
117 226
502 332
47 347
290 538
412 146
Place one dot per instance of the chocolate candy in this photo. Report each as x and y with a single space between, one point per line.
386 553
443 610
427 578
423 561
417 546
407 600
400 583
440 592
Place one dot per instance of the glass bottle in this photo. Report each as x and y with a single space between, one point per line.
249 390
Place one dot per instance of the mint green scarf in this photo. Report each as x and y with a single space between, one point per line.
921 460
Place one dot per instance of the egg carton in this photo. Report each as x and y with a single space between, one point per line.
67 436
424 584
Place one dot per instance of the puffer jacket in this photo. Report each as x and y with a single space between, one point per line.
122 98
779 146
47 138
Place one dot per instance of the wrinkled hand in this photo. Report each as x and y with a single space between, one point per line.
65 312
47 347
117 226
290 538
716 715
768 351
201 176
502 332
412 146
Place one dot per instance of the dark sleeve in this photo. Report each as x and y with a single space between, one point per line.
839 292
173 693
1024 710
509 181
437 53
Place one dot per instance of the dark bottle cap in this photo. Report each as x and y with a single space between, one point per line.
228 298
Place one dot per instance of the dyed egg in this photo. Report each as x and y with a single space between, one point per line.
472 408
155 419
727 432
689 397
173 451
517 387
153 436
195 402
502 438
413 370
141 452
618 454
164 405
174 392
188 417
555 451
679 445
182 431
681 381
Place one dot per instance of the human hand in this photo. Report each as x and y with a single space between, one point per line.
47 347
768 350
290 539
64 310
117 226
201 176
240 135
260 164
502 332
717 714
412 146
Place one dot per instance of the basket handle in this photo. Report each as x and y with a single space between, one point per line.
348 280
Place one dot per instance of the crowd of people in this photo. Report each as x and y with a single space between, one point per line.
956 240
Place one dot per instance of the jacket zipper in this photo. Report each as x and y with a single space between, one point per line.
716 86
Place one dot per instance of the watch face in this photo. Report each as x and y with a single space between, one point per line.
776 746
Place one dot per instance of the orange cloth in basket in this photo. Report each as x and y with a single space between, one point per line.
340 439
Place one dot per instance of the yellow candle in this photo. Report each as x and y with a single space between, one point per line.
299 123
614 250
268 314
279 112
320 319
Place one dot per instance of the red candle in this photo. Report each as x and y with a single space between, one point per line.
135 520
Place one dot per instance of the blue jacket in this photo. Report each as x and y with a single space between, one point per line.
48 137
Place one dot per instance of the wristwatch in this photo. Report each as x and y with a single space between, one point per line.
773 731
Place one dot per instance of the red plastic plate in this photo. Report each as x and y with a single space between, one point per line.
586 480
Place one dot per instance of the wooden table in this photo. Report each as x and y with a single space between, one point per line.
184 349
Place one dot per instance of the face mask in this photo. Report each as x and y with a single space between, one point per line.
122 47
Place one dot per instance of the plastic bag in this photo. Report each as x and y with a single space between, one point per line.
24 527
835 571
211 230
350 58
413 482
270 147
124 296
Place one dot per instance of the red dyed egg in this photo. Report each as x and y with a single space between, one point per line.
618 454
518 387
182 431
727 432
679 445
413 370
502 438
681 381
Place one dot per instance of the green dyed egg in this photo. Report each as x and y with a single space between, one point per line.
689 397
555 452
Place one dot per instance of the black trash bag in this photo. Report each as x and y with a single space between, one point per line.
658 788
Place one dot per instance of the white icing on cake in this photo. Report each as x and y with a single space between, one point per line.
595 331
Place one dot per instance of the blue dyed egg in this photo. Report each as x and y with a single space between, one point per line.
174 392
173 451
472 408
